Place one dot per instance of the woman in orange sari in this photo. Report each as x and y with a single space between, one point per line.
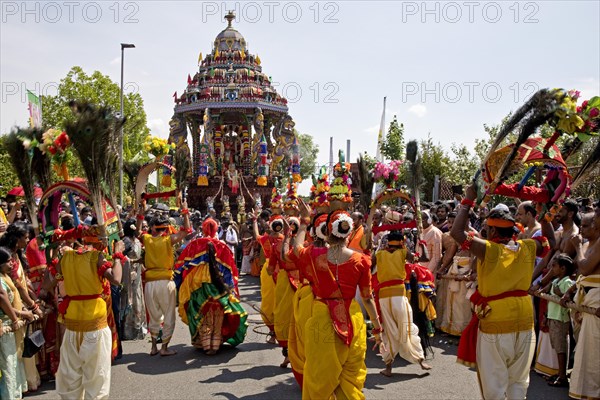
268 274
335 334
302 301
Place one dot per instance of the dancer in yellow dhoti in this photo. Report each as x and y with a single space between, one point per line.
85 353
160 293
400 335
500 342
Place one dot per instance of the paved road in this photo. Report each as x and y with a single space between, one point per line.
251 371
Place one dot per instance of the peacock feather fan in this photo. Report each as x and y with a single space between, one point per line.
411 151
20 158
95 135
40 162
132 169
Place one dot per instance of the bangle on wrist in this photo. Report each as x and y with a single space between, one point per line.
466 245
467 202
120 256
185 211
140 217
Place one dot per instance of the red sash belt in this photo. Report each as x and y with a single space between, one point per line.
467 347
64 304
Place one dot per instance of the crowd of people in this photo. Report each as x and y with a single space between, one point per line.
351 278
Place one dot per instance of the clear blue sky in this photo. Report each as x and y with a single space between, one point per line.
446 67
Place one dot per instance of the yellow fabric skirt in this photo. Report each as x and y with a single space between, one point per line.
302 305
332 369
267 294
284 294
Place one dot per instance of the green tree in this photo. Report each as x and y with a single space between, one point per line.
8 178
434 161
463 165
393 145
98 89
309 151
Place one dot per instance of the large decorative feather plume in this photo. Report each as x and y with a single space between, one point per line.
539 99
536 111
412 155
95 135
132 169
21 162
40 162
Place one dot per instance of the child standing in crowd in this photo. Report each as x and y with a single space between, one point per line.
558 316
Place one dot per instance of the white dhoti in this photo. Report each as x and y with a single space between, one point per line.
161 300
84 369
503 362
400 335
456 312
546 359
585 377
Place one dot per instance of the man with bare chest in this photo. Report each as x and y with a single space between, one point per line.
585 377
526 214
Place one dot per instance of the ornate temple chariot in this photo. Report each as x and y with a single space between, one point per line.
242 135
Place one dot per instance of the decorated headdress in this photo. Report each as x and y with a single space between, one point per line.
318 225
340 224
319 190
290 205
340 194
276 223
294 224
276 200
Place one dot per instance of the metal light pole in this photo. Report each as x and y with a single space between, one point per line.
123 47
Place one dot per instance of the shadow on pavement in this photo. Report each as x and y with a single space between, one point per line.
376 380
187 357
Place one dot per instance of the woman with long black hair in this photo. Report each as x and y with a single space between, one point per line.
15 239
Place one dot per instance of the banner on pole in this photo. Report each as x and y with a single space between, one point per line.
35 110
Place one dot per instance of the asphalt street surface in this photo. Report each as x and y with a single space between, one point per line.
251 370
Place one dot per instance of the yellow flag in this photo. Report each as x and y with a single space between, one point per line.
200 58
257 59
217 52
243 54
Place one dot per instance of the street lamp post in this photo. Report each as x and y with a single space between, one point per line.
123 47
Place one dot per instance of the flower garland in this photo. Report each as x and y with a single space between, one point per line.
319 190
340 187
291 201
276 201
57 145
387 174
